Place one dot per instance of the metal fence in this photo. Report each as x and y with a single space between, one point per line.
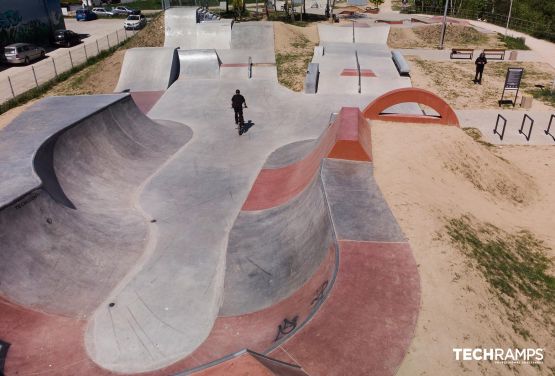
14 84
518 24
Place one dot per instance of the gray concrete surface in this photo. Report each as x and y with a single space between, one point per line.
263 270
195 64
99 157
163 69
358 208
485 120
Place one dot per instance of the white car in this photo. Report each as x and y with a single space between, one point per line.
125 10
102 12
134 21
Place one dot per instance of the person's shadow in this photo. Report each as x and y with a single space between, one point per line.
247 126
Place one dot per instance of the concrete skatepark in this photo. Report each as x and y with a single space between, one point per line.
141 234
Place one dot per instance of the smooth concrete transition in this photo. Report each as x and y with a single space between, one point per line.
183 32
148 69
265 270
195 64
141 246
97 163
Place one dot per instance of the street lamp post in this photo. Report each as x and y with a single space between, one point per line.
509 17
444 27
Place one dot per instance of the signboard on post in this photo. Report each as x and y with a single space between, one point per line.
512 82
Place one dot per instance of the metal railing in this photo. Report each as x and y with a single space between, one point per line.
495 131
548 130
518 24
358 70
521 130
31 77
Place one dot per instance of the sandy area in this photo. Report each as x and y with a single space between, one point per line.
429 174
452 80
427 36
294 48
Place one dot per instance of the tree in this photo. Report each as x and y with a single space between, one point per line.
237 8
377 3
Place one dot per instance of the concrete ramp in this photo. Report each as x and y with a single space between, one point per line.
162 70
86 230
374 34
339 34
182 30
253 36
180 27
196 64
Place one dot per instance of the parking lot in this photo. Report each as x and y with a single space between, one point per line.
94 29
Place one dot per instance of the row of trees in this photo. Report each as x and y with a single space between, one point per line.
539 12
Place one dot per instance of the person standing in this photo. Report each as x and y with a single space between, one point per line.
237 102
481 62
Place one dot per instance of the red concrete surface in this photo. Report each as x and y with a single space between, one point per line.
145 100
411 95
354 72
276 186
367 323
244 365
353 137
54 345
252 364
341 140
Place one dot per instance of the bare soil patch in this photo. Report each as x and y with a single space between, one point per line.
294 48
438 178
427 36
452 80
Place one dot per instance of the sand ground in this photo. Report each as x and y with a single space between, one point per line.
429 174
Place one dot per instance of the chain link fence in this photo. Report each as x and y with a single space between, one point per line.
49 68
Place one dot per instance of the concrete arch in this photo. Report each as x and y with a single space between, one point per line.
413 95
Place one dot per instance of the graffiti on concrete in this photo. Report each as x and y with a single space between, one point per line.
286 327
319 295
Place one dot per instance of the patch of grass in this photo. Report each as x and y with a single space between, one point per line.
512 43
42 89
545 95
291 67
477 136
308 18
144 4
458 35
515 266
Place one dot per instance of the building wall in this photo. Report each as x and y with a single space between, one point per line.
31 21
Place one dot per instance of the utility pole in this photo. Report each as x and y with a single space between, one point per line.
509 18
444 26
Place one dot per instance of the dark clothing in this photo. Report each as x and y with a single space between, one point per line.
237 102
238 115
481 62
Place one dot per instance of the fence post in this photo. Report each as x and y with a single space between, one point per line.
85 49
125 31
97 48
70 59
108 40
117 36
35 76
11 86
55 70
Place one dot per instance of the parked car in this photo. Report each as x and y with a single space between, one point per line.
23 53
85 15
66 38
134 22
102 12
125 10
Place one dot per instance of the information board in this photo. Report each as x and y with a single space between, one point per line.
514 76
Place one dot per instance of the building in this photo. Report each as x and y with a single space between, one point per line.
31 21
